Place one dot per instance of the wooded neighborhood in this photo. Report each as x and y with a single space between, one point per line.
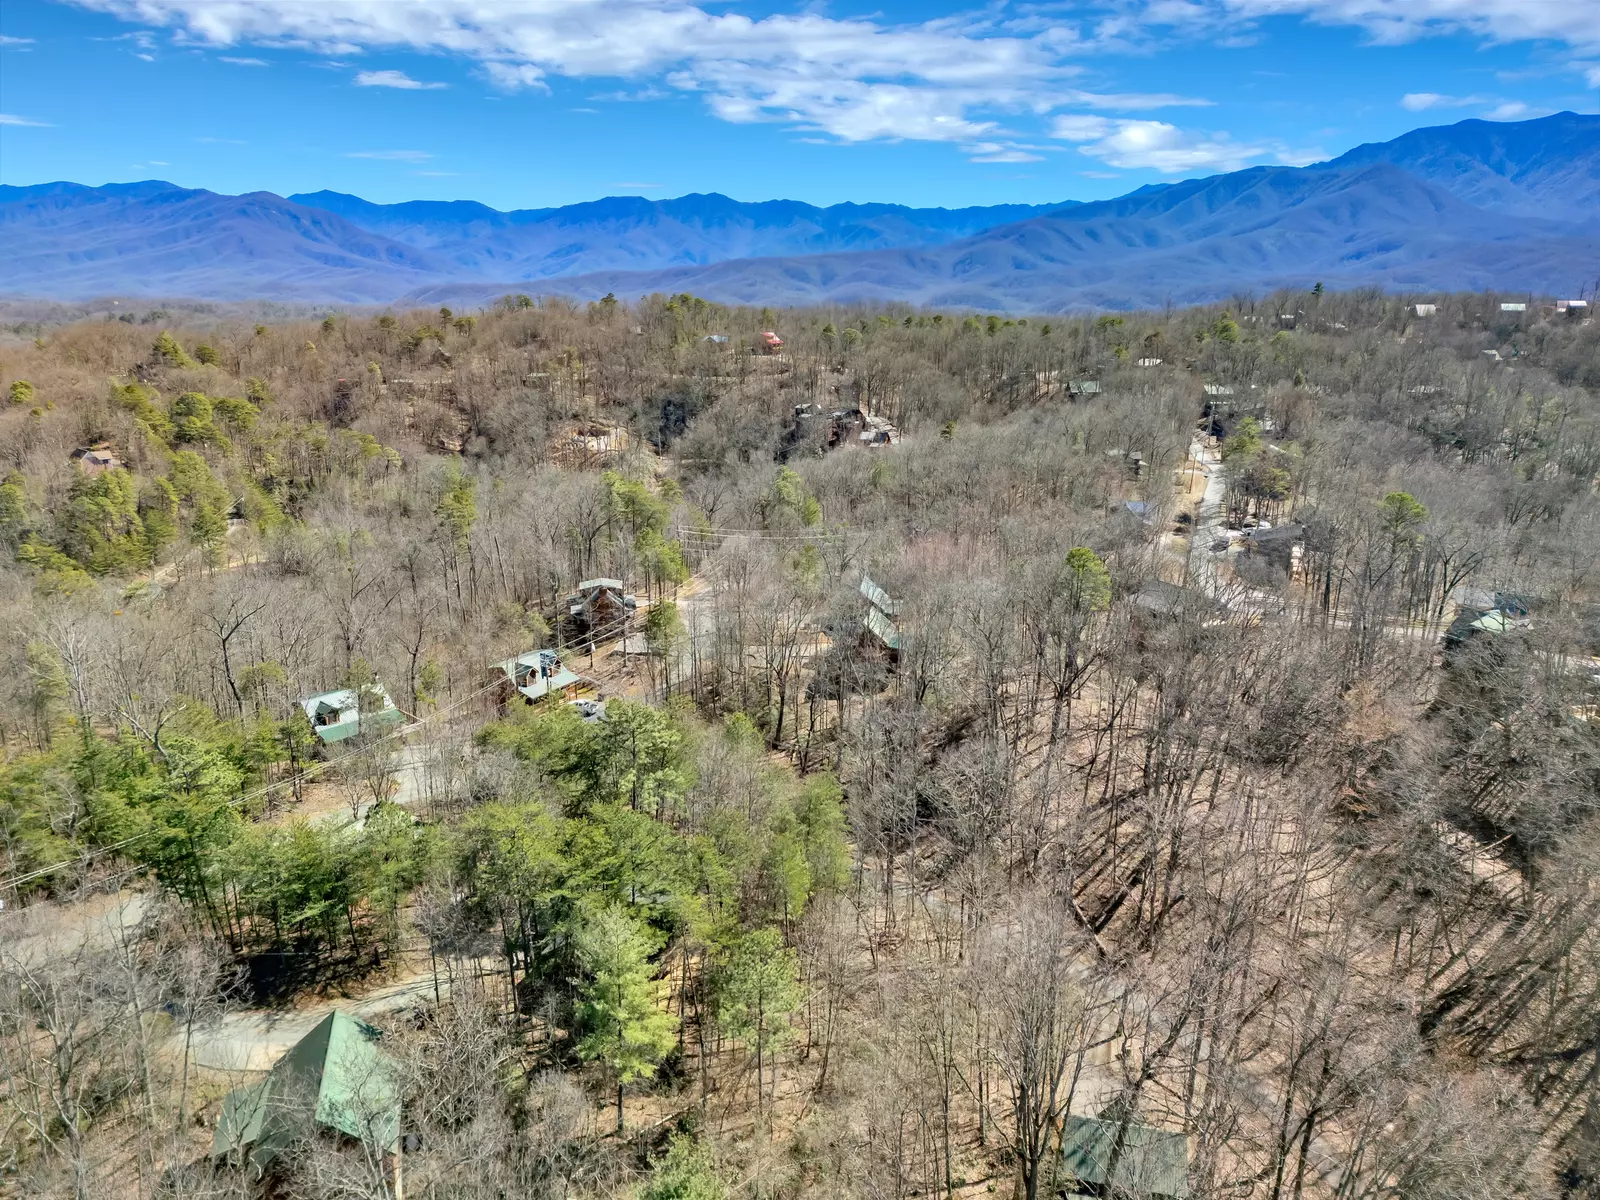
660 749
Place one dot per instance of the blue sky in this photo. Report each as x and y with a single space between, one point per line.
531 103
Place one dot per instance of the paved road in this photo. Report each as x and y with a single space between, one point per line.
46 931
254 1039
1208 526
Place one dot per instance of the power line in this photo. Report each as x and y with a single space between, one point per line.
302 774
604 633
708 535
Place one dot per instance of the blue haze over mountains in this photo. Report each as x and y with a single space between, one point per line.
1509 206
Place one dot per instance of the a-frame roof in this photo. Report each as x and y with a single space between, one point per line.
1150 1162
335 1077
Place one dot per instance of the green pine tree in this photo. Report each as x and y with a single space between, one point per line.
167 351
687 1172
757 992
620 1021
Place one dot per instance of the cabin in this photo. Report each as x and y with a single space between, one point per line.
843 427
342 714
590 444
1148 362
334 1082
876 432
769 342
880 626
879 598
1111 1156
1078 388
1505 614
1573 308
1425 310
1280 544
714 339
535 676
1142 509
601 605
1159 601
1130 462
92 460
1513 307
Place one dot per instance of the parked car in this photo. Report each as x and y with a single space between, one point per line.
590 710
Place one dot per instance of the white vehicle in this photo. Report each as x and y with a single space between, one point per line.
590 710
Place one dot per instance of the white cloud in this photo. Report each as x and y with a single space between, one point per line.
1592 75
242 62
394 79
514 75
15 41
637 96
1503 110
1002 152
1077 127
955 79
1156 145
1422 101
1515 110
13 119
1574 22
392 155
854 79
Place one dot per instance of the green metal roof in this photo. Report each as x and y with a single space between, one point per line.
1153 1162
879 597
1495 621
335 1077
349 719
538 673
882 628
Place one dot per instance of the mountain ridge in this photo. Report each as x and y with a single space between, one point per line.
1105 255
633 231
1475 204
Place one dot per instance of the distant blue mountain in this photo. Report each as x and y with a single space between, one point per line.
67 241
632 233
1511 206
1191 242
1548 167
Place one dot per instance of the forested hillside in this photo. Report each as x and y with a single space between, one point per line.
1506 205
1153 754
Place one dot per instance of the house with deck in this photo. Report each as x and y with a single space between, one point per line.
96 458
342 714
601 605
880 626
534 676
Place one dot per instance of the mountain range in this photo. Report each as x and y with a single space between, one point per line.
1513 206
